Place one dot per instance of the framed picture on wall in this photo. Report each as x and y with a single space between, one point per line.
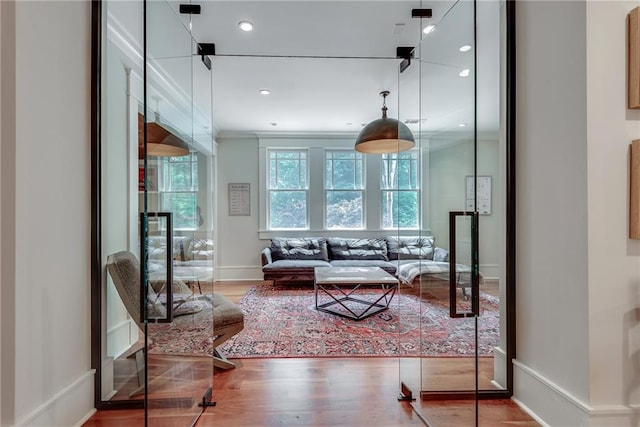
483 183
239 199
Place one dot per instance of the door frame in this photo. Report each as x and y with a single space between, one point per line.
96 223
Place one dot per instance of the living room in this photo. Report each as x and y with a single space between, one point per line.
457 163
577 269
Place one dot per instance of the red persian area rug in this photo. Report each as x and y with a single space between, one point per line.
281 321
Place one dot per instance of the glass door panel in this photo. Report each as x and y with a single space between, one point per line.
447 91
407 167
177 252
455 80
122 367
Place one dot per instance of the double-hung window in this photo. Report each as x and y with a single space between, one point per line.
288 189
400 184
179 190
344 189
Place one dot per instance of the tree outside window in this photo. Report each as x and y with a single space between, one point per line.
400 186
344 190
288 189
179 190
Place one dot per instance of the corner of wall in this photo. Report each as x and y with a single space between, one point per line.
65 407
547 402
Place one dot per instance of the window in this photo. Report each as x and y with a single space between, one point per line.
400 185
179 190
344 190
288 189
322 185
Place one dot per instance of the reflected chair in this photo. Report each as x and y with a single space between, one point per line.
228 318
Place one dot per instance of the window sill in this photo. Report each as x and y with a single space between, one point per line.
359 233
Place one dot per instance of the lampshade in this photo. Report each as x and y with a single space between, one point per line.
384 135
160 141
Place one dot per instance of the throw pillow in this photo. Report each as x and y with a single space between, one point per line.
441 255
410 247
305 248
202 249
357 249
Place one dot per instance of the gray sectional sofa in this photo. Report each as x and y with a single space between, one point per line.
292 260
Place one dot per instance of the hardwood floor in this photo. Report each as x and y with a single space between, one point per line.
318 392
306 392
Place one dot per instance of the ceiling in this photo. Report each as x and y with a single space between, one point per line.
325 63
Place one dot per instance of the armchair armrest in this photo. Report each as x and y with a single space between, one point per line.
266 256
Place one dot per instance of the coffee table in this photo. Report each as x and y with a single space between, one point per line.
344 286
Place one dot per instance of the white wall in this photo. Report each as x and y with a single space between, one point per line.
552 368
51 358
578 315
614 260
119 197
448 168
239 238
238 252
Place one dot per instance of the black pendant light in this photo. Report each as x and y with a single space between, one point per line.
384 135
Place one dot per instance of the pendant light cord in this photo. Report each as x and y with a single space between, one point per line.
384 95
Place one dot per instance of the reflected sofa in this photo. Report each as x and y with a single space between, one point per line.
192 257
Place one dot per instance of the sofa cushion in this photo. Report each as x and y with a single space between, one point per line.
157 248
385 265
202 249
303 248
410 247
357 249
291 265
441 255
181 248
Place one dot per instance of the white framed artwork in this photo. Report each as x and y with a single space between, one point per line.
239 199
484 194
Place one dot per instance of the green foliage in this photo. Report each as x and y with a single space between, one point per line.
344 185
344 209
288 209
180 190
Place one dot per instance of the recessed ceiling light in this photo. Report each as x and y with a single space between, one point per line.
273 124
349 123
245 25
463 125
464 73
429 29
265 91
465 48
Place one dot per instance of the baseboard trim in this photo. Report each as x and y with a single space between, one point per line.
614 415
68 406
552 404
85 418
532 414
499 368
